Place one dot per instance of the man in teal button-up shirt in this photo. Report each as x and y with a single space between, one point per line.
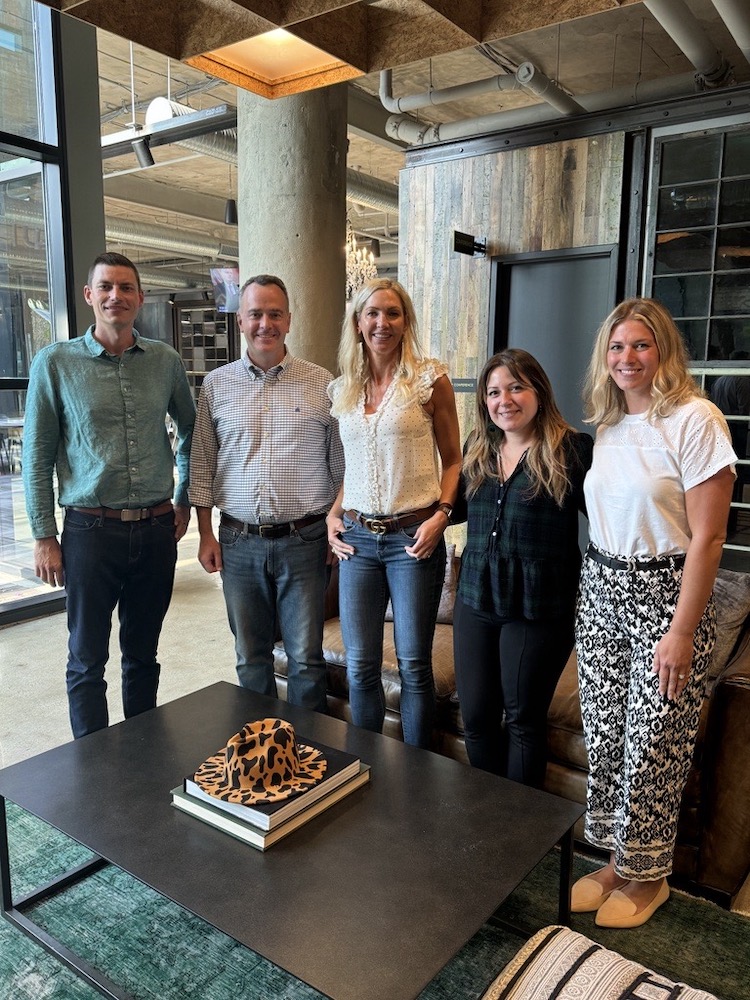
96 415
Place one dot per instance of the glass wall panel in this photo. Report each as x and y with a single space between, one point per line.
687 295
735 201
698 265
26 167
680 252
695 332
691 159
731 294
24 288
733 248
730 337
737 154
19 106
687 206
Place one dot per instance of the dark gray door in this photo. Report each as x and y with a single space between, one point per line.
551 305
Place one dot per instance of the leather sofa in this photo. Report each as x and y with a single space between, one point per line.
712 856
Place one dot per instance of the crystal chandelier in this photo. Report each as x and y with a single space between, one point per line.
360 263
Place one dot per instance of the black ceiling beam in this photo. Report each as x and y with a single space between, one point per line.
216 119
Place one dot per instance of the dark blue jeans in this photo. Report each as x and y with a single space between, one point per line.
128 565
381 568
278 581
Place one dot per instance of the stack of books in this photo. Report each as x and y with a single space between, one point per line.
263 823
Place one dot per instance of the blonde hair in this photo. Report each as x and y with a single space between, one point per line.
672 384
354 363
546 459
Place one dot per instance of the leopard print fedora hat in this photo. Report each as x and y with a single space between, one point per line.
263 762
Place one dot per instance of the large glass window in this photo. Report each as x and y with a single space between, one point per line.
19 88
28 164
699 267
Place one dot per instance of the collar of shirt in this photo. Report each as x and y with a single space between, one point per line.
276 371
96 349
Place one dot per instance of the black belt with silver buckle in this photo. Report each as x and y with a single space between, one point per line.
385 525
634 565
269 530
128 514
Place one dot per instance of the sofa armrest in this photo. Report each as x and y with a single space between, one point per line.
724 860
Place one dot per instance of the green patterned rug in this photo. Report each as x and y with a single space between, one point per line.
158 951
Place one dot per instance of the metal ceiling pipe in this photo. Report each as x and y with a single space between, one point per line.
371 191
736 15
685 30
360 188
536 82
160 238
417 133
526 77
431 98
222 145
170 279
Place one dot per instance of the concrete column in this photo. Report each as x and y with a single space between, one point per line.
292 208
82 187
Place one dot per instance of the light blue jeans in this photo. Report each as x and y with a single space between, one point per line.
273 584
380 568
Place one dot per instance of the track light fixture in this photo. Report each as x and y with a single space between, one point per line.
142 152
230 207
230 212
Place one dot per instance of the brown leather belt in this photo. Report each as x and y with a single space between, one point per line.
137 514
269 530
385 525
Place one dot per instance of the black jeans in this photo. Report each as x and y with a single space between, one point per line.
506 674
111 563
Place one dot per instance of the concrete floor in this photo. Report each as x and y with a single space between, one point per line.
196 649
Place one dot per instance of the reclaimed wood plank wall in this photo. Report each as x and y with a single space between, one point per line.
564 194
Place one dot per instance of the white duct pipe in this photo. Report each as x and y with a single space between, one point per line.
431 98
527 77
417 133
685 30
736 15
360 188
159 238
222 145
536 82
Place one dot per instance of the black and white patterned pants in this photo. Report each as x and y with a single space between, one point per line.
639 746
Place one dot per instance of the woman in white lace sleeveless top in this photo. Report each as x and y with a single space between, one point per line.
398 424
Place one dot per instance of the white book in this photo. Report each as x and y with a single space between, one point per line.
341 766
254 835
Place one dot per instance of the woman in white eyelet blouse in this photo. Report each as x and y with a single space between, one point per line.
398 424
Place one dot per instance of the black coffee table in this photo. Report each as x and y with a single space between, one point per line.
368 900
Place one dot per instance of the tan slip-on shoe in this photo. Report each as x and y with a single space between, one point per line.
588 895
620 911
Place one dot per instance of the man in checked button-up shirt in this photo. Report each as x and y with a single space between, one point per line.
266 453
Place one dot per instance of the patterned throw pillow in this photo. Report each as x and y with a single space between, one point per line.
558 964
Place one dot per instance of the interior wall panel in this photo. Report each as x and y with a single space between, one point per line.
549 197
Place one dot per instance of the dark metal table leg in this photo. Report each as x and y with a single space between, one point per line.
14 914
566 876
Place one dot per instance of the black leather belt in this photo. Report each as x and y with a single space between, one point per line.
385 525
137 514
634 564
269 530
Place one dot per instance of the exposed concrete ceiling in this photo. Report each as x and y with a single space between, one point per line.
585 46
